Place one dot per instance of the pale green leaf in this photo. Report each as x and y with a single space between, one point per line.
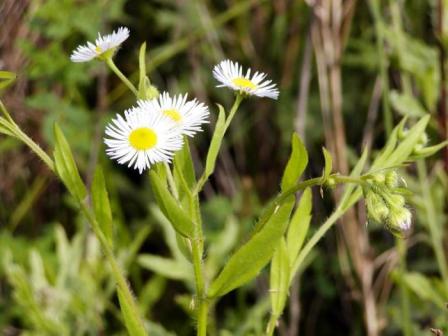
249 260
296 164
169 268
215 143
66 166
101 204
406 105
328 164
423 288
178 217
299 225
279 280
6 78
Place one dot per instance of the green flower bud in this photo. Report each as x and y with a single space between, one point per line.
377 209
379 178
391 179
330 182
423 139
151 92
400 219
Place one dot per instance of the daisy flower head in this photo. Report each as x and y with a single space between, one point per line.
104 47
187 115
230 74
142 138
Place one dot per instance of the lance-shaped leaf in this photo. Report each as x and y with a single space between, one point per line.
296 164
131 317
6 78
167 267
328 165
279 280
215 145
101 204
178 217
249 260
299 225
66 166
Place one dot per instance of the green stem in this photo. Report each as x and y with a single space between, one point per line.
201 297
120 75
116 271
404 292
271 325
171 182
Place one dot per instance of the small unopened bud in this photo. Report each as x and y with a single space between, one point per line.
423 139
151 92
391 179
377 209
330 182
379 178
400 219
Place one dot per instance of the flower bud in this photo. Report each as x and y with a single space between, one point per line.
391 179
377 209
400 219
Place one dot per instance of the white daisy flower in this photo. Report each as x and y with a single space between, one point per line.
104 46
230 74
188 115
142 139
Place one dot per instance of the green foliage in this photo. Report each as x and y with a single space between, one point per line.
248 260
66 167
296 163
101 205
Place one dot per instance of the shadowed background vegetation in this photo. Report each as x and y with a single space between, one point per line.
347 71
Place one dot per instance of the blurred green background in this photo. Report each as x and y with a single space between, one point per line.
347 72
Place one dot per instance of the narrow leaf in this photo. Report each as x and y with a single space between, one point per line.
142 70
131 317
328 164
180 220
299 225
6 78
279 281
249 260
66 166
101 204
406 105
296 164
215 143
169 268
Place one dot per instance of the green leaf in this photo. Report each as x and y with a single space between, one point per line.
280 275
184 174
6 78
215 144
423 288
406 147
428 151
142 71
169 268
180 220
406 105
328 164
299 225
66 167
130 316
248 261
101 204
296 164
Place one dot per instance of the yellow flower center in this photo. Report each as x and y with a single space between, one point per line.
173 114
244 83
143 138
98 50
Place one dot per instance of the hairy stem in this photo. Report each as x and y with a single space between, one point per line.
120 75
